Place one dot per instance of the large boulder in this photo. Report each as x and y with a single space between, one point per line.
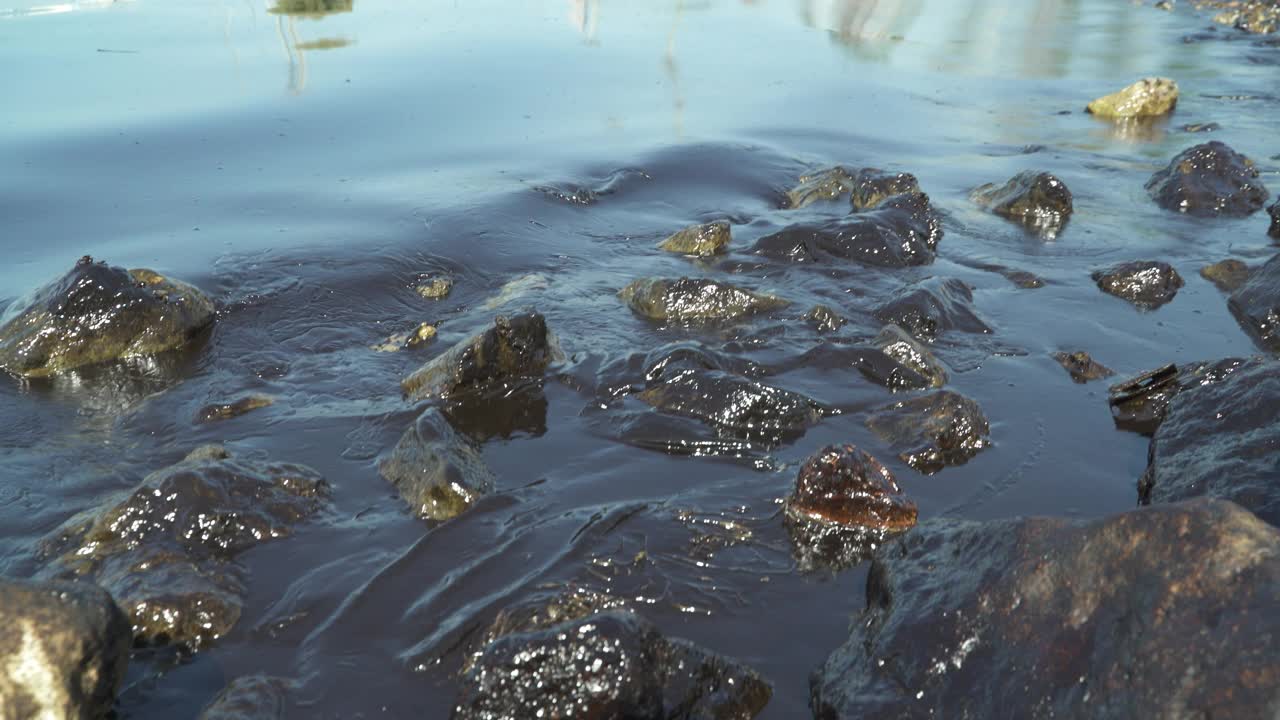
1256 305
1209 180
99 313
901 230
436 470
933 431
694 300
1165 612
166 551
1147 284
514 349
1148 97
64 649
933 307
1140 403
1038 200
1221 440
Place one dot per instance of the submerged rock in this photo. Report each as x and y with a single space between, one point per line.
1156 613
1256 305
688 300
872 185
435 288
1149 97
1035 199
700 240
611 664
933 431
1209 180
233 409
436 470
63 652
252 697
99 313
827 184
1221 440
1274 212
1139 404
1227 275
415 338
1082 367
516 347
845 503
896 343
824 319
900 231
734 406
166 550
874 363
933 307
1145 283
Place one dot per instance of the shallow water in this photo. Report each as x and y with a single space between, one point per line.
307 169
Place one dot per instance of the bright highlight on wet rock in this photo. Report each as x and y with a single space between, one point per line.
517 347
1256 305
699 240
1149 97
1038 200
694 300
436 470
1145 283
933 431
1209 180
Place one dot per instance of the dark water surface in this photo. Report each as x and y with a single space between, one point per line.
307 169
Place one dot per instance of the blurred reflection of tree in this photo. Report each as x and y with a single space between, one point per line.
288 12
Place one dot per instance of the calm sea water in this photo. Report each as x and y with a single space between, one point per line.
305 162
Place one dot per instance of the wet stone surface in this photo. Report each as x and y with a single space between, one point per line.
826 184
252 697
1221 440
1148 97
734 406
901 231
1147 284
1038 200
699 240
64 650
694 300
1274 211
515 348
437 471
933 307
166 552
233 409
1140 403
1082 367
1052 618
933 431
99 313
1207 181
899 345
824 319
1227 275
1256 305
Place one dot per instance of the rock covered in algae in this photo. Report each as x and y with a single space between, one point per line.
516 347
691 300
1148 97
1209 180
1226 275
435 288
866 187
699 240
437 471
167 550
1036 199
99 313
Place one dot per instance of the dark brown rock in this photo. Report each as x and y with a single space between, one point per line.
516 348
733 406
1145 283
437 471
1207 181
1038 200
901 231
933 431
900 346
1256 305
1081 366
694 300
1164 612
235 408
1139 404
1227 275
872 185
933 307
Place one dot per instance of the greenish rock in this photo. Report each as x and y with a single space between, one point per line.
1082 367
827 184
1227 275
515 347
1148 97
691 300
902 347
872 185
701 240
1036 199
99 313
435 288
233 409
437 470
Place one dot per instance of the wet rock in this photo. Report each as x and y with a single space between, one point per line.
933 431
1082 366
252 697
824 319
871 186
827 184
733 406
517 288
99 313
1045 617
516 347
436 470
1035 199
1209 180
933 307
415 338
872 362
896 343
576 194
166 550
236 408
699 240
690 300
1221 440
435 288
1149 97
63 652
516 410
1274 212
1023 279
1139 404
902 230
1260 17
845 503
1256 305
1227 275
611 664
1145 283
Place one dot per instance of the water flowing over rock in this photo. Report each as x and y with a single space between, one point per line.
1221 440
1140 403
733 406
901 231
1145 283
64 650
694 300
933 307
1207 181
699 240
515 348
166 550
1161 612
1038 200
1256 305
436 470
1227 275
98 313
933 431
